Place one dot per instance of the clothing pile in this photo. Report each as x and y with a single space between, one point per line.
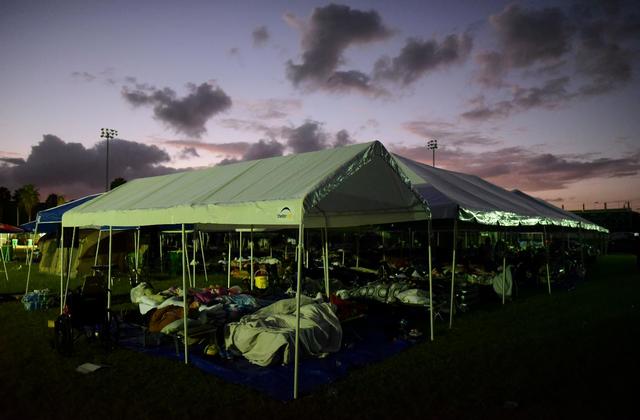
213 305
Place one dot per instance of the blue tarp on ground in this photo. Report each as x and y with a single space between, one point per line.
364 342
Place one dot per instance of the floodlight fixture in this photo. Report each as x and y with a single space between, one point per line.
433 145
107 134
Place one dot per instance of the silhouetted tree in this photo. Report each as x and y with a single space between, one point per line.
5 194
54 200
28 198
5 198
117 182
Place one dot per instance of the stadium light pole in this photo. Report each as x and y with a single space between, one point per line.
107 133
433 145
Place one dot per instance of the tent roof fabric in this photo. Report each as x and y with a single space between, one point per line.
349 186
469 198
544 206
49 220
29 226
54 215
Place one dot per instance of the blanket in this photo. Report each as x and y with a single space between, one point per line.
268 335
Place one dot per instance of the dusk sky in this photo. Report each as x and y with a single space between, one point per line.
542 96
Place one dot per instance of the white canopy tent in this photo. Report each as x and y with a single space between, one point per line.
342 187
463 197
469 198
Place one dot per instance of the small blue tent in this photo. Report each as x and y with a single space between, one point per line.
49 220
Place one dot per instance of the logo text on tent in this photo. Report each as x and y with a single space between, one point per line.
285 213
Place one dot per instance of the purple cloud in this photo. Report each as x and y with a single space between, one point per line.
325 37
517 167
187 115
260 36
418 57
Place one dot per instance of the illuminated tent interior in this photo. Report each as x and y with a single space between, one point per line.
343 187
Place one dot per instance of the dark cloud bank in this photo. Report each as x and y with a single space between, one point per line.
308 137
584 49
56 166
71 169
589 49
418 57
328 33
332 29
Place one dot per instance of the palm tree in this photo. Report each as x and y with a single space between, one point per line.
54 200
28 198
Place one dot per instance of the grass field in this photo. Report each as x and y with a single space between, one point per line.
569 355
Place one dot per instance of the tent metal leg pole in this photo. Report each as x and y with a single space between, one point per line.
251 265
66 289
161 265
95 257
186 257
204 262
324 266
240 253
546 249
453 273
33 243
137 253
4 265
326 263
298 281
229 265
548 278
504 277
61 248
580 241
26 256
184 297
73 239
195 250
430 280
109 282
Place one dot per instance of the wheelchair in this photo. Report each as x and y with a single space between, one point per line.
86 315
